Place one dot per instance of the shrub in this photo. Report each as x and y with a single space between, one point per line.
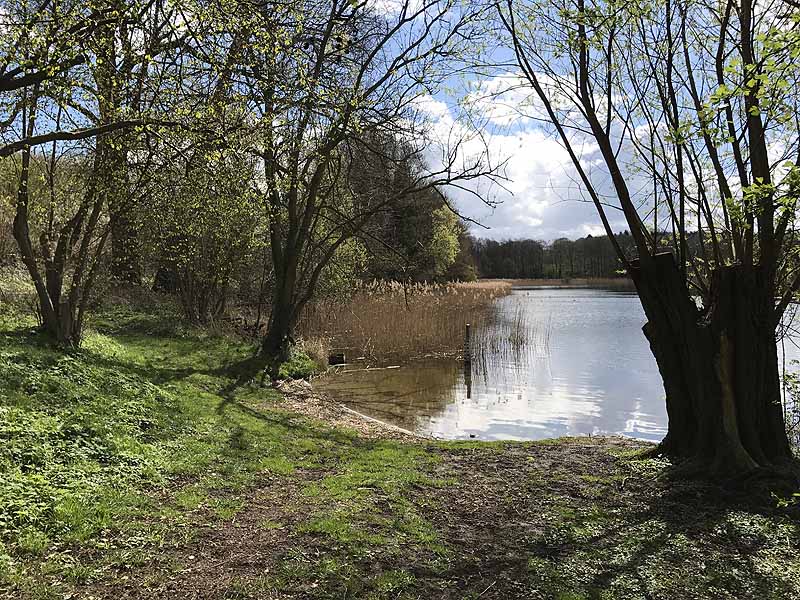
299 366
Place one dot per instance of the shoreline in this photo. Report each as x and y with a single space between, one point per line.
613 283
207 490
301 397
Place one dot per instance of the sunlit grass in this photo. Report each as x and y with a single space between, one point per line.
113 451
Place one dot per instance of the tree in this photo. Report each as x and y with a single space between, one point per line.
415 237
530 259
702 101
327 81
202 221
62 78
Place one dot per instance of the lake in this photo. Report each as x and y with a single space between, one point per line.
551 362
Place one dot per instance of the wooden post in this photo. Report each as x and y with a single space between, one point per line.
467 363
468 378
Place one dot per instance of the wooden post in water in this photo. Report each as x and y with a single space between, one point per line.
467 363
467 351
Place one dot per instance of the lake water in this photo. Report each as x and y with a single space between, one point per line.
551 362
585 368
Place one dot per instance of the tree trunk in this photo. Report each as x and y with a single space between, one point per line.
62 325
719 367
277 342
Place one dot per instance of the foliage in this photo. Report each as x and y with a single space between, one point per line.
592 256
345 269
80 98
443 247
16 292
418 237
791 404
206 226
299 366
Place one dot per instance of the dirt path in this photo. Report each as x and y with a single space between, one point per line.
572 518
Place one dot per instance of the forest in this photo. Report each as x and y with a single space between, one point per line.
563 258
257 340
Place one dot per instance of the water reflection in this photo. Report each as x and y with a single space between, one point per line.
552 362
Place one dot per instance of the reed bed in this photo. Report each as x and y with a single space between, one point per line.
510 333
387 321
509 339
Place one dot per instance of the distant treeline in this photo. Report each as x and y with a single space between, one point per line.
532 259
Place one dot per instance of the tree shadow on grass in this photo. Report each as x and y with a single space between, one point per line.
542 531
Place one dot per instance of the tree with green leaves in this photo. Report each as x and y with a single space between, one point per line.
324 81
84 87
201 221
692 109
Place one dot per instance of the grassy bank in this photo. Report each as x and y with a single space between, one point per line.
135 469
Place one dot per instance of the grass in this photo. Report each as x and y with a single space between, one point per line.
389 321
134 442
135 468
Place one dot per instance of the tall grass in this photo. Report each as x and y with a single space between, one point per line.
509 333
390 321
509 338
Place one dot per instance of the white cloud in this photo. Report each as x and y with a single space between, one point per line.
393 7
542 198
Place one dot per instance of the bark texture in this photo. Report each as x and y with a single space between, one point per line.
719 366
276 344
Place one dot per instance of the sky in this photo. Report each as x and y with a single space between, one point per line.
540 197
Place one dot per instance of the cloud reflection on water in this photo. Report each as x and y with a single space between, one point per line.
597 376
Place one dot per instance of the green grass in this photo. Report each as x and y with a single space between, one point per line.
299 366
119 461
106 451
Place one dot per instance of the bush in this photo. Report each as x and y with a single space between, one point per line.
299 366
17 293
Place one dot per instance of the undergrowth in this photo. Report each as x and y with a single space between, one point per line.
111 452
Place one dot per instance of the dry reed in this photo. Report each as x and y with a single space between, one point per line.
390 321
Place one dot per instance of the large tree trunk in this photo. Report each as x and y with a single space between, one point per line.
719 367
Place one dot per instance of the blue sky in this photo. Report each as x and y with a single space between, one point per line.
541 198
